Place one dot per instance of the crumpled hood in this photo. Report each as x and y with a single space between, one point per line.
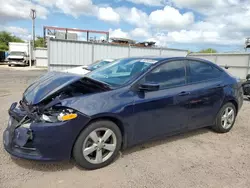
47 85
15 57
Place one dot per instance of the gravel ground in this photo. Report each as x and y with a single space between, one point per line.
200 158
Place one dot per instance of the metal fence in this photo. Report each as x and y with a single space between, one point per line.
41 55
65 54
237 64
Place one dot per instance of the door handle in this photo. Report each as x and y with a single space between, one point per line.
184 93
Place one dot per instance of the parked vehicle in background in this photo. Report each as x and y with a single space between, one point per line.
127 102
2 56
246 87
88 68
19 54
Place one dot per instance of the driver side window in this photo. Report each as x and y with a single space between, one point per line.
170 74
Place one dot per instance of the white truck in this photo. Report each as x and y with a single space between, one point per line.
19 54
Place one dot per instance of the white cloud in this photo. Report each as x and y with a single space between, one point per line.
212 7
196 5
76 7
20 9
118 33
149 2
133 16
17 31
140 33
194 37
108 14
47 3
170 18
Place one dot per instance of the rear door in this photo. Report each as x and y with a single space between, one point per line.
207 92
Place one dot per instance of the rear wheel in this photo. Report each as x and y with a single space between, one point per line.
97 145
225 119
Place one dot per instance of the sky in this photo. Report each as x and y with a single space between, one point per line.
182 24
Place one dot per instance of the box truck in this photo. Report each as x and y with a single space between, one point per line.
19 54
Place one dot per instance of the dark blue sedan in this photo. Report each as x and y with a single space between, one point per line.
128 102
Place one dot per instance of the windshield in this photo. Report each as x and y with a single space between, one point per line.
17 53
97 65
121 71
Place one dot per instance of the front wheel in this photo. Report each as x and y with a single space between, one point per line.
225 119
97 145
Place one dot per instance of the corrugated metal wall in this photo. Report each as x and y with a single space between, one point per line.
104 51
41 55
65 54
238 63
134 51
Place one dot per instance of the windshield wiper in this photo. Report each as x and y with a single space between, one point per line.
86 68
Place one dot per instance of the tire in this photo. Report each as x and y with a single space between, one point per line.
248 98
220 126
85 141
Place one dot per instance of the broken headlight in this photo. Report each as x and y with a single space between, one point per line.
58 115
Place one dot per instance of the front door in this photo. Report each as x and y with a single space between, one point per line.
163 111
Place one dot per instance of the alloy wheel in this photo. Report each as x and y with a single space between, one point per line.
99 145
227 118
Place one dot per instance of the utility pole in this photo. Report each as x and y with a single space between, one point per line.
33 17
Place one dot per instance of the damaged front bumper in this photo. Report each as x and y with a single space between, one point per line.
41 140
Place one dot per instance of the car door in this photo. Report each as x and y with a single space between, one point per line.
207 92
163 111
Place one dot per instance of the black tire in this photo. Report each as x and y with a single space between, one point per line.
77 149
248 98
218 124
9 65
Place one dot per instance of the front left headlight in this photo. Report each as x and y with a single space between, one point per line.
60 116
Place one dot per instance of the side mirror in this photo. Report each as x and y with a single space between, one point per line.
149 87
248 77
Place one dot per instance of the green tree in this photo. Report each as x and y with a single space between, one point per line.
209 50
189 52
39 42
5 38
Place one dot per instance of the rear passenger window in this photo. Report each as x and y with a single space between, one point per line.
200 71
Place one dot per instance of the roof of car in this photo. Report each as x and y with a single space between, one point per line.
159 58
149 57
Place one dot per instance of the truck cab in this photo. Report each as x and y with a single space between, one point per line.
19 54
18 58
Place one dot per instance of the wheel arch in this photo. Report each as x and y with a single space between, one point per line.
116 121
111 118
235 103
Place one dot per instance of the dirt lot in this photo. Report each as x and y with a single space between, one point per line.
200 158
